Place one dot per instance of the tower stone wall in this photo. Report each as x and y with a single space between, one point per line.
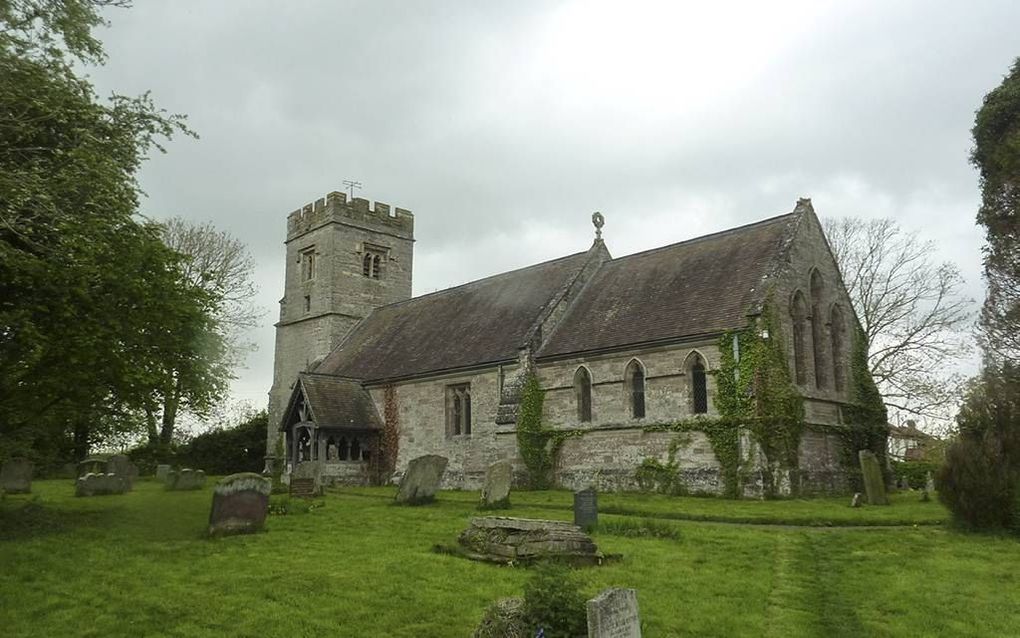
344 259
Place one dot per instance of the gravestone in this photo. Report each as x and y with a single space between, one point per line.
501 539
16 476
161 472
186 479
614 614
240 504
99 484
421 480
874 482
121 465
586 508
306 480
496 491
929 483
856 500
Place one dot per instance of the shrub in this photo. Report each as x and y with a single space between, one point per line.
915 473
554 602
980 481
229 450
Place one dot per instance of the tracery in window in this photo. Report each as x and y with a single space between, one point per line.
458 409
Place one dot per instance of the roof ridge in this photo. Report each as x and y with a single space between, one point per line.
718 233
482 280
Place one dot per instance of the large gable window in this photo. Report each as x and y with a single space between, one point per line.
458 409
798 313
818 341
582 394
634 381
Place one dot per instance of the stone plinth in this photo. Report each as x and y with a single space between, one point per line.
16 476
240 504
421 480
502 540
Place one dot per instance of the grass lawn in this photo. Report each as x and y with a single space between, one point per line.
138 565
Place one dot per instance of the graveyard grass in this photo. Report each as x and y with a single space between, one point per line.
139 565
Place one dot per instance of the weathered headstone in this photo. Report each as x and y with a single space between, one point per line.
856 500
306 480
586 508
161 471
874 482
16 476
496 491
97 484
929 483
421 480
502 539
186 479
122 466
240 503
614 614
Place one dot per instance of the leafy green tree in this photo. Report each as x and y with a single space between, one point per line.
996 155
91 299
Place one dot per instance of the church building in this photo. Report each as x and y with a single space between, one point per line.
643 361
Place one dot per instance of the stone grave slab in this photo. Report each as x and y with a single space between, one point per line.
496 490
421 480
874 482
614 614
161 472
185 479
93 465
240 503
501 539
16 476
100 484
121 465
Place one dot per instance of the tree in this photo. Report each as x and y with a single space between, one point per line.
89 294
911 310
996 155
220 266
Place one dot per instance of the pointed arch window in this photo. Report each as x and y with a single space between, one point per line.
373 261
634 381
818 341
798 313
582 394
366 265
699 385
458 409
838 332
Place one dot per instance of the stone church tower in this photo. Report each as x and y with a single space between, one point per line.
344 260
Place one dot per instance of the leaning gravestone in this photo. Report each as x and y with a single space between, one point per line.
421 480
240 503
16 476
874 482
496 491
97 484
614 614
161 471
121 465
186 479
586 508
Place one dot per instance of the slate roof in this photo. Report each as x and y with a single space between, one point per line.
484 321
700 286
335 402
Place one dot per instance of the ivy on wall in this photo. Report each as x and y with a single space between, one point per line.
533 436
389 438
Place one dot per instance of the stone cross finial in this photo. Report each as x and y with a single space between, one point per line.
598 221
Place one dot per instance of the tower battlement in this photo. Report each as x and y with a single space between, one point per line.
335 207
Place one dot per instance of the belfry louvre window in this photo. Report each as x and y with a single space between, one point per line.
458 409
308 264
372 262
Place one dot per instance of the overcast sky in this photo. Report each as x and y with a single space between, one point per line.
503 126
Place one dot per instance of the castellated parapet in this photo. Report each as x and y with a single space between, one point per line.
334 207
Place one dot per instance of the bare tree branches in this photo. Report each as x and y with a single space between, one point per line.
910 308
